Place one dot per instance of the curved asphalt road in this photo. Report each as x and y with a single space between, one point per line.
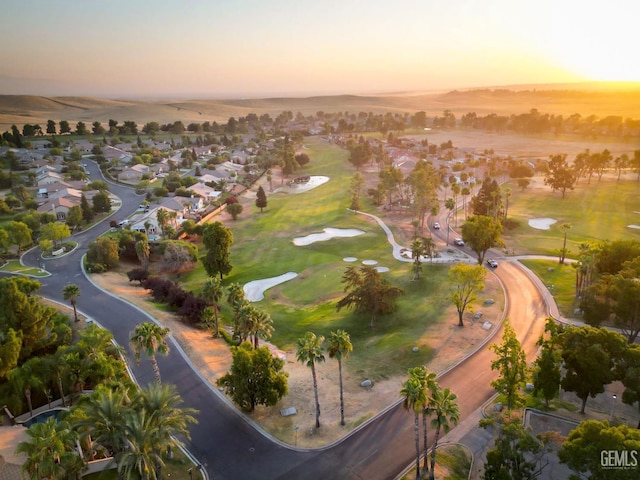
229 446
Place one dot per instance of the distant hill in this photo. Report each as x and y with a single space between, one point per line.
600 99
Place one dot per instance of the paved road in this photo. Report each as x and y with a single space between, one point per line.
229 446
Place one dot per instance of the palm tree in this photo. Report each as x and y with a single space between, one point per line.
151 338
104 419
51 451
446 414
143 252
160 402
428 382
310 352
140 458
26 377
339 346
415 398
212 292
71 292
417 251
262 327
564 227
162 216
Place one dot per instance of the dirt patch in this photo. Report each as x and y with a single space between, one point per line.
213 359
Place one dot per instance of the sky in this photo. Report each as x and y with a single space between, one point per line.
260 48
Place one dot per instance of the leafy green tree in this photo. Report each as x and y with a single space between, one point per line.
591 359
81 128
261 199
101 202
217 240
546 368
583 450
482 233
511 364
150 338
103 251
74 217
488 201
51 127
631 376
367 292
55 231
256 377
561 176
10 347
310 350
64 127
71 292
339 347
516 453
235 209
87 211
445 413
19 234
465 281
357 182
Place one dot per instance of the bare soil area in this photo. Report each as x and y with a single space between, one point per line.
213 359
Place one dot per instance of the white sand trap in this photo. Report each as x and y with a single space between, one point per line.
254 291
349 259
314 181
634 226
327 234
542 223
382 269
369 262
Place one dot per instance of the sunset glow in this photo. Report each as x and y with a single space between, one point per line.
286 47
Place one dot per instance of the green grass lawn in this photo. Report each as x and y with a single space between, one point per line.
263 247
14 266
596 212
560 279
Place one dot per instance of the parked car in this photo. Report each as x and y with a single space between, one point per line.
459 242
492 263
436 226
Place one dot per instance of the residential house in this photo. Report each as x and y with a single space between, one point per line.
134 173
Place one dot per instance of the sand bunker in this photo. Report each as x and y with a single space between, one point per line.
382 269
327 234
369 262
350 259
313 182
254 291
542 223
634 226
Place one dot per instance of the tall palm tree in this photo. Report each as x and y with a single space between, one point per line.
151 338
212 292
162 215
24 378
414 398
71 292
262 327
563 253
445 414
160 402
417 251
428 382
236 298
310 352
339 346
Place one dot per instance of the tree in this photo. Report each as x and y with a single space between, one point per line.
445 413
150 338
516 453
310 351
71 292
235 209
64 127
261 199
631 376
357 181
143 252
55 231
450 205
19 234
546 369
367 292
482 233
51 127
256 377
81 128
101 202
591 359
561 176
415 398
583 450
465 281
563 252
140 459
51 451
24 378
212 292
217 240
74 217
339 347
417 252
511 364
